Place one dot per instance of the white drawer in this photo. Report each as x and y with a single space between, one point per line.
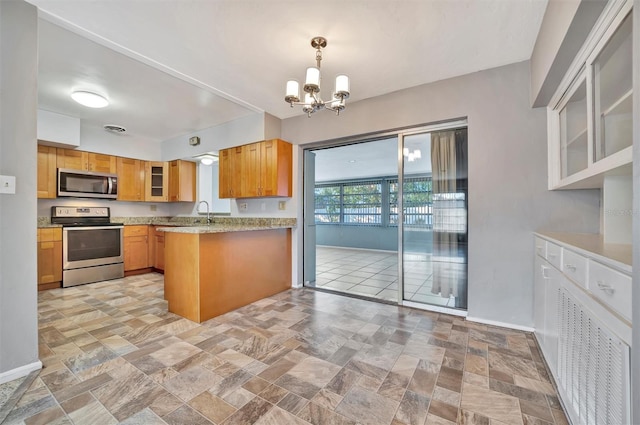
611 287
541 247
554 255
575 267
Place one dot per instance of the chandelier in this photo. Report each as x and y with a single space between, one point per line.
312 100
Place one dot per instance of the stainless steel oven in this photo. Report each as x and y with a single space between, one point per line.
92 247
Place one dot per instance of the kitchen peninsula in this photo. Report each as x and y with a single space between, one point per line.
211 270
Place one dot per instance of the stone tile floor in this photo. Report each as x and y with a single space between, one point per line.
374 274
112 354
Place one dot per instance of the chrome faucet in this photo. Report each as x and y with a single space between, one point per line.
208 214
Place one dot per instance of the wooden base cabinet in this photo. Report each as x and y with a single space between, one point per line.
49 258
156 248
136 248
47 157
210 274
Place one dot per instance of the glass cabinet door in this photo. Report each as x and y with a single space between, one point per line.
574 146
612 92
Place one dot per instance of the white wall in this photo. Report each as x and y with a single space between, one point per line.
97 139
244 130
508 196
18 264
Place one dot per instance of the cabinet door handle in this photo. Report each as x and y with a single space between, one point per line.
571 267
603 286
544 272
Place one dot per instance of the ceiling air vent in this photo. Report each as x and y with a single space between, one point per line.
115 128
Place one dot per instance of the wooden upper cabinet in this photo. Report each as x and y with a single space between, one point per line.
260 169
250 181
225 158
101 163
276 158
131 179
73 159
87 161
156 181
182 181
46 172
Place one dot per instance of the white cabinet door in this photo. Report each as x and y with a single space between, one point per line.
545 310
540 284
551 322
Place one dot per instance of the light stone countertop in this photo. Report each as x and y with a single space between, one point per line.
592 245
241 223
217 228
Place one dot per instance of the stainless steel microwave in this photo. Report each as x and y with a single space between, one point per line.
87 184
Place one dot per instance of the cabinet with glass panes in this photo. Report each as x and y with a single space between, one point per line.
590 118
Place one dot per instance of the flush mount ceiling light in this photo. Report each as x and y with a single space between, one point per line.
207 158
312 100
89 99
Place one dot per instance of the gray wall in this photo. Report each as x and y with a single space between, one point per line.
635 349
508 196
565 26
374 237
18 264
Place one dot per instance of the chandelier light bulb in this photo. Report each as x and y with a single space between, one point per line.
405 151
342 86
411 157
417 154
312 100
293 91
312 82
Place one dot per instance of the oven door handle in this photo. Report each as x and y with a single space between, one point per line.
109 185
74 228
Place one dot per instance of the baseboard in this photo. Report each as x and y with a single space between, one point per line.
139 271
19 372
501 324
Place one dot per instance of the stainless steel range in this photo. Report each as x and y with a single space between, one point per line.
92 246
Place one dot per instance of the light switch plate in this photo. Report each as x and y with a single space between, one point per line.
282 205
8 185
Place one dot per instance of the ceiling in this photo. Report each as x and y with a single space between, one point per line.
223 59
378 158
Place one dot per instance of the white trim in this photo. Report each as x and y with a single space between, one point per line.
19 372
500 324
435 308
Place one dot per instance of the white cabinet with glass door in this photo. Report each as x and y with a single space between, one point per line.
590 117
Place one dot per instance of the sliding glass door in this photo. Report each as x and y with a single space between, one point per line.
386 218
434 218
